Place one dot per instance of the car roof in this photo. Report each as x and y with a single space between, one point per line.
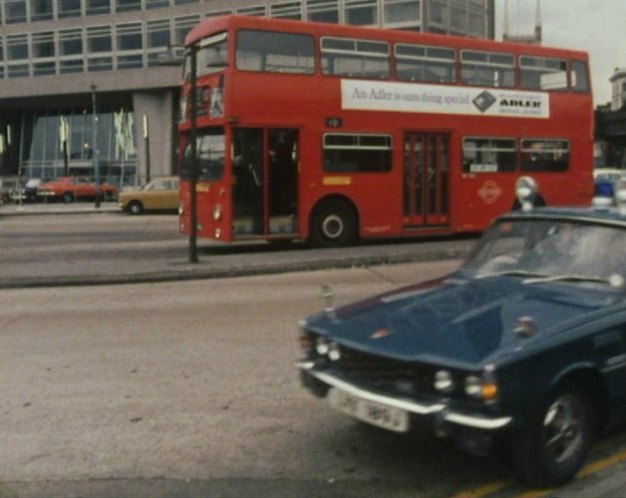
612 216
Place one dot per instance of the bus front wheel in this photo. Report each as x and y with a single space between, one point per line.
333 224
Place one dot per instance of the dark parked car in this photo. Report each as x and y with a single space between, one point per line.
29 191
522 349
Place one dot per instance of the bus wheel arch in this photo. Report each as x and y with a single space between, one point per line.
333 222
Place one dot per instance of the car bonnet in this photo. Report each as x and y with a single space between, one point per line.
458 320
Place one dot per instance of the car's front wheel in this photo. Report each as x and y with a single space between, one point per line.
135 207
554 447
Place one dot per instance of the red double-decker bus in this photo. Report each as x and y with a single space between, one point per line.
332 133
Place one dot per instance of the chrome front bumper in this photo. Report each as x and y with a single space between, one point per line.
439 410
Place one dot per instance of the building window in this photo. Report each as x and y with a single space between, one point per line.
127 5
44 68
129 61
438 13
322 11
18 71
17 47
488 155
458 17
183 2
128 37
155 4
95 7
129 46
71 51
15 11
158 38
347 153
361 12
41 10
215 13
182 26
291 10
158 33
257 10
477 21
95 64
70 42
68 8
99 39
43 45
402 13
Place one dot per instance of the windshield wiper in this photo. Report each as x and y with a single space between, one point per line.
567 278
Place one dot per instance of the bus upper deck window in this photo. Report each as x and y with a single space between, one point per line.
543 73
355 58
425 63
269 51
493 69
578 76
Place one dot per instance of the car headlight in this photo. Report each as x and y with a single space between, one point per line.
482 387
334 353
321 346
473 386
443 381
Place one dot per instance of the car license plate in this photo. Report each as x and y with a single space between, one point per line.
387 417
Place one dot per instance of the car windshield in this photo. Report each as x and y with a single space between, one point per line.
551 250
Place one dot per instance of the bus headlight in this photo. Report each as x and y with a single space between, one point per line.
217 212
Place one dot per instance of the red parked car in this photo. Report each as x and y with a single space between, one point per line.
71 188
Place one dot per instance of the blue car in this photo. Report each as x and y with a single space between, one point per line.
522 349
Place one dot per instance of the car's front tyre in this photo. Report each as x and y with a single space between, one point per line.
554 447
135 207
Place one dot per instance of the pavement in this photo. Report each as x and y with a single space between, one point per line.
117 260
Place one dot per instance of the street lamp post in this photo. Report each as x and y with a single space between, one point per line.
146 138
193 136
64 131
94 147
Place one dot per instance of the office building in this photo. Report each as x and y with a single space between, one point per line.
61 59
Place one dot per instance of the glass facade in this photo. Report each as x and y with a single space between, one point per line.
56 143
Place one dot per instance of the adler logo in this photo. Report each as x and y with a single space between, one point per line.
484 101
526 104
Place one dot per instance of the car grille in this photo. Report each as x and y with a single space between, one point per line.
383 374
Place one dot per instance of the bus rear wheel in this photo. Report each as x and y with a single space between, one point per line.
333 224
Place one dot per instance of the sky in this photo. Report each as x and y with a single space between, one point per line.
595 26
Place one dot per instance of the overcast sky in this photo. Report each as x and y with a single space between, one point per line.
596 26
